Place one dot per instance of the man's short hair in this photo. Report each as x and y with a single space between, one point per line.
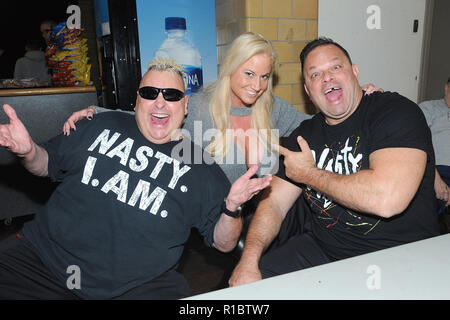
321 41
165 64
448 81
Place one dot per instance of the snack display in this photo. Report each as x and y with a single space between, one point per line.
67 57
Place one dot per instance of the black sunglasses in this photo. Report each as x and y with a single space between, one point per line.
169 94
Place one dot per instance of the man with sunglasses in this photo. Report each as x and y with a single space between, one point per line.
116 226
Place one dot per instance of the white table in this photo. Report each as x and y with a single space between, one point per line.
418 270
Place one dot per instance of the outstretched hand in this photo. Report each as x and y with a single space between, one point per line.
87 113
14 135
298 164
244 188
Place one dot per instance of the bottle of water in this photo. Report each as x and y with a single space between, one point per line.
177 47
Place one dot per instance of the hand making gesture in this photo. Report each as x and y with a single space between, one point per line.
14 135
299 165
244 188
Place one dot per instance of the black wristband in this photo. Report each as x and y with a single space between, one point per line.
233 214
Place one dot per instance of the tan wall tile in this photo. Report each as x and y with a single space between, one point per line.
266 27
284 50
289 73
297 47
300 107
299 95
305 9
277 8
312 29
253 8
292 30
283 91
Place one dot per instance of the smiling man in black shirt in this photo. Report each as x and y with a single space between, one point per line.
364 166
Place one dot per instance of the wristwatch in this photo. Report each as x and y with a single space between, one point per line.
233 214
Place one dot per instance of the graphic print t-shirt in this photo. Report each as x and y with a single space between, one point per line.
382 120
125 206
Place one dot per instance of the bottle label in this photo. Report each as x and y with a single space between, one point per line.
193 78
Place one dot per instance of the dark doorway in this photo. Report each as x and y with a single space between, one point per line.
20 21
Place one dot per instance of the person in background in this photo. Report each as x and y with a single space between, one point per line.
130 191
437 114
46 29
364 166
33 65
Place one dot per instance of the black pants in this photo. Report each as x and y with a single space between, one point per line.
294 248
24 276
297 253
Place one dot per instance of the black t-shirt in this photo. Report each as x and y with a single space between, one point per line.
382 120
125 207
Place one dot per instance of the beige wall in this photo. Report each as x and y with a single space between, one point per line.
288 24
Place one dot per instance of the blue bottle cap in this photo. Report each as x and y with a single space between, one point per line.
178 23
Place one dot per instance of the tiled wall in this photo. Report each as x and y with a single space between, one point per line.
288 24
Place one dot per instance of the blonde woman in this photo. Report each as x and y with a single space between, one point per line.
242 110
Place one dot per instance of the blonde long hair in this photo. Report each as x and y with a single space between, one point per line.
243 48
